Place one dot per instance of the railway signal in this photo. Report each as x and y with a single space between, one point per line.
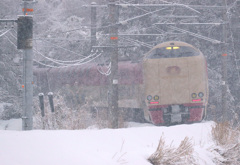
24 42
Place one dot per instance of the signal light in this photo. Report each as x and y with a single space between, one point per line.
175 47
168 48
24 32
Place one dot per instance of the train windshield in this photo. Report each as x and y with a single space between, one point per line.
173 52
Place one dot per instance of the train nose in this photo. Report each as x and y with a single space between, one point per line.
173 79
173 70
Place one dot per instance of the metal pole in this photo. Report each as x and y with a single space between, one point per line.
28 89
50 98
25 36
113 104
41 103
93 24
224 69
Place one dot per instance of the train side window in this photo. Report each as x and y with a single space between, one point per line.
183 51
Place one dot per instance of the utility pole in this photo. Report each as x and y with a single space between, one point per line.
93 24
113 30
224 68
24 37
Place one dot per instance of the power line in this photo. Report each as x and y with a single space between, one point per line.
62 48
62 39
140 16
191 7
106 73
121 22
194 23
60 62
5 32
101 68
138 42
11 42
12 35
196 35
136 7
52 66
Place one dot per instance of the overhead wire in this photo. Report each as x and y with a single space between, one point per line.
66 63
52 66
140 16
234 52
196 35
165 2
135 6
106 73
62 48
77 62
103 27
11 41
12 35
60 62
100 68
62 39
232 5
138 42
5 32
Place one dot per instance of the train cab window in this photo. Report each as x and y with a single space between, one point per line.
173 52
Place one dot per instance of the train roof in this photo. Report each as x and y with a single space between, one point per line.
89 74
173 43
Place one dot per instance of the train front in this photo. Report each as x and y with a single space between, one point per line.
175 84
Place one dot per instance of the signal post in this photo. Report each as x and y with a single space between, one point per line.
113 102
24 42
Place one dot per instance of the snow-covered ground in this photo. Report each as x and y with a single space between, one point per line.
132 145
13 124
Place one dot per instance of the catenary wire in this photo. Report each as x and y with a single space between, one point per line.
5 32
60 62
64 62
51 66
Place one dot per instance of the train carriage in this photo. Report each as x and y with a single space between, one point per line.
175 84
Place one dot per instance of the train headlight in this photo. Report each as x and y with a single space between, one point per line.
149 97
200 94
156 97
194 95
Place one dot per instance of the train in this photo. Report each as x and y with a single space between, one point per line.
169 86
175 84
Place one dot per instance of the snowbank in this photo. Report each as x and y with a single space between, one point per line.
100 147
